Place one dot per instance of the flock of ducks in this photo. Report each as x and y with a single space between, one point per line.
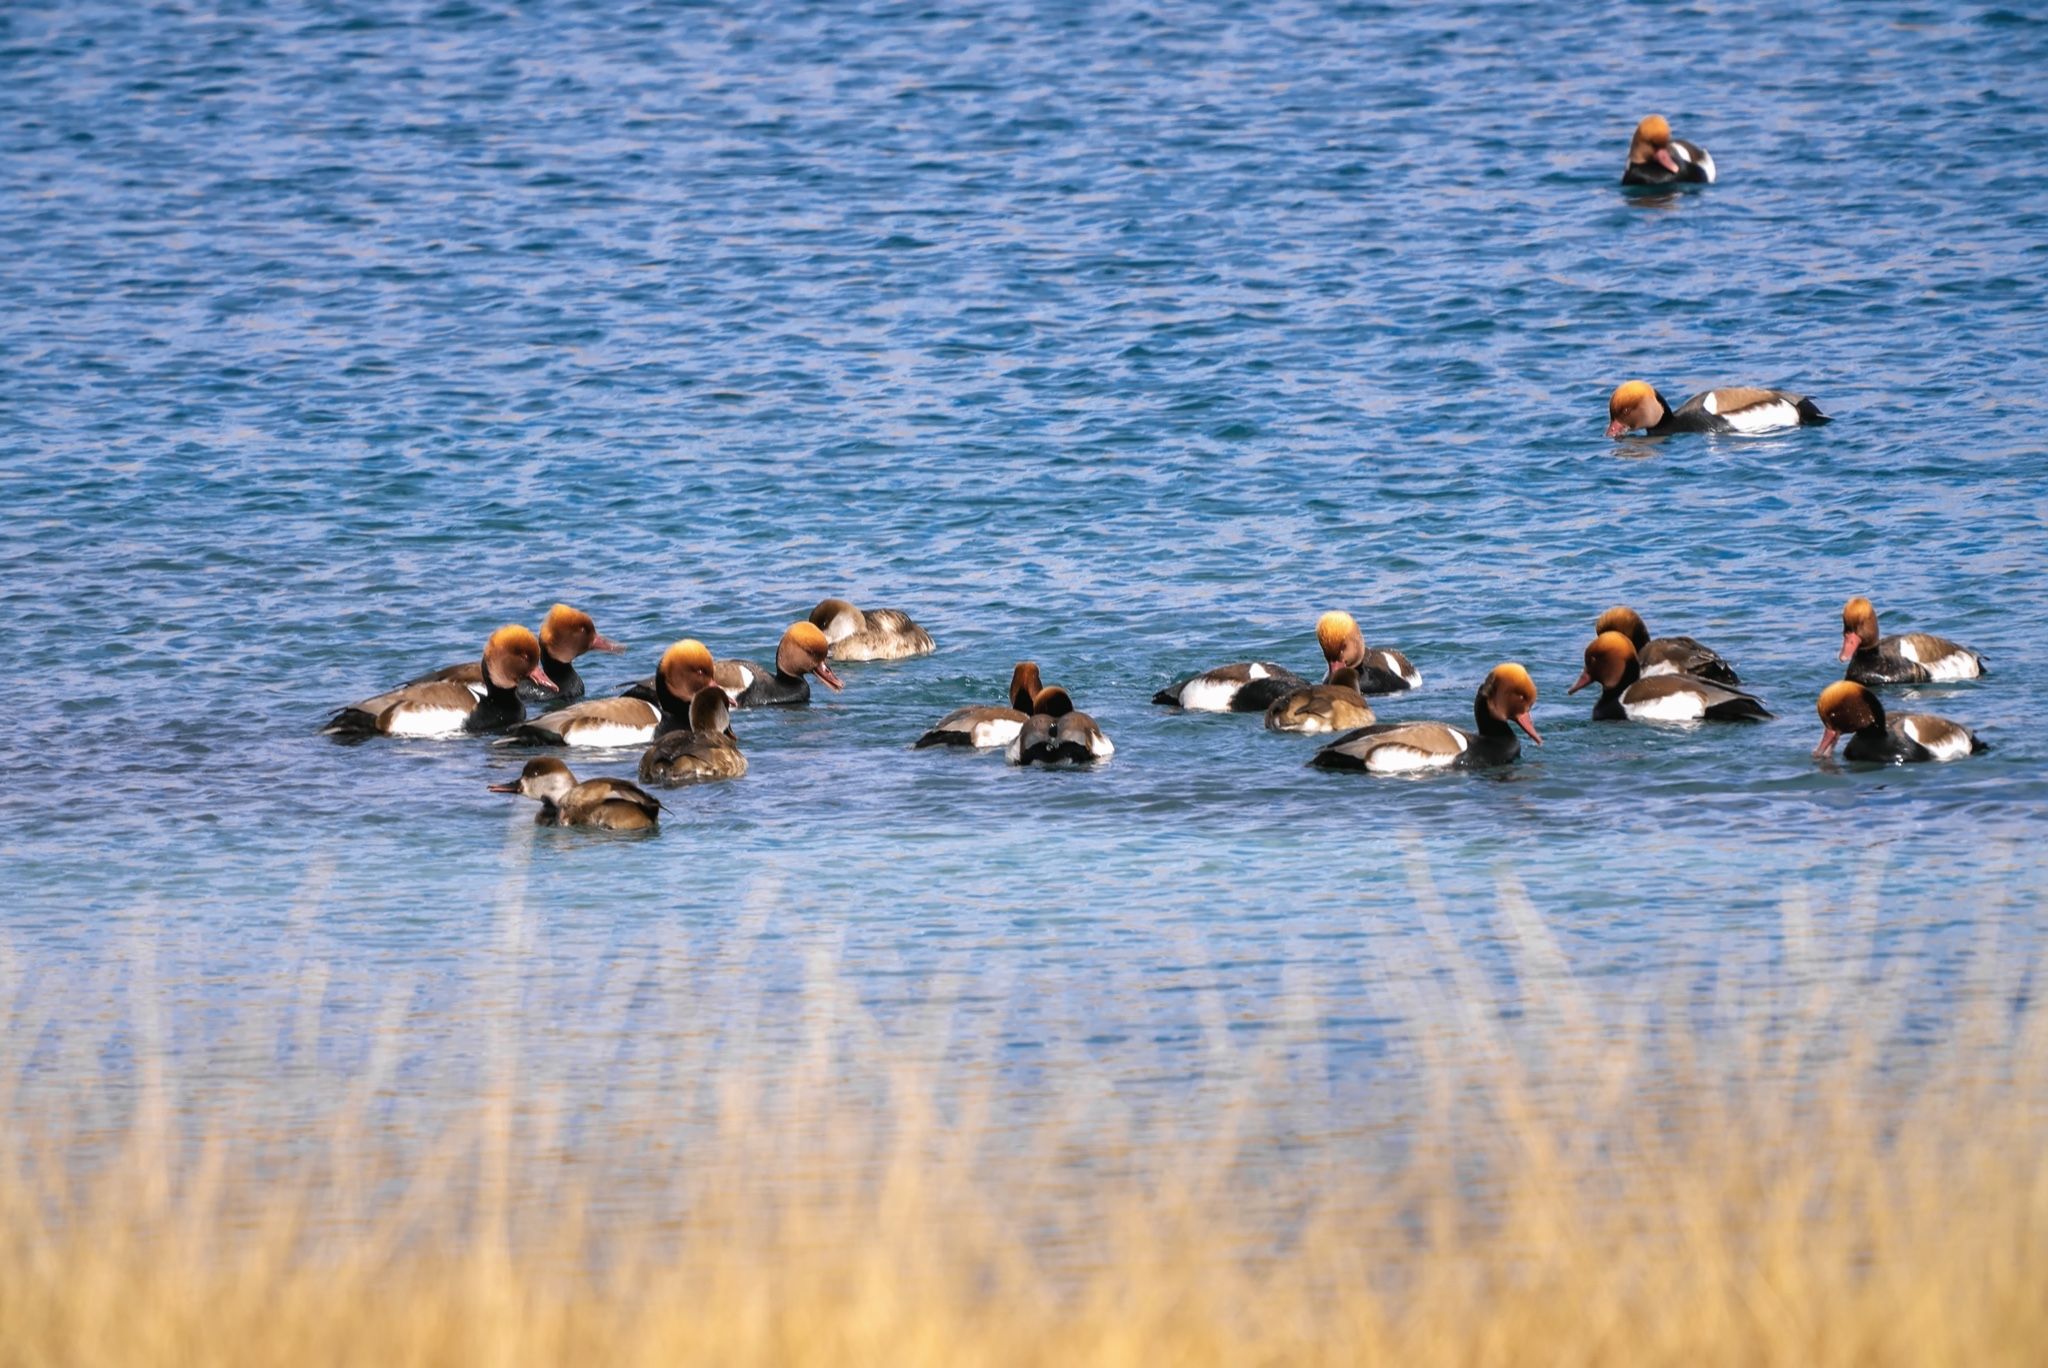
681 714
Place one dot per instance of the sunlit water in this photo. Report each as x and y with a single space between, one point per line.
1121 339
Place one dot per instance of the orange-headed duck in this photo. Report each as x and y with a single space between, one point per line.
985 727
1657 158
1334 706
882 634
613 804
1666 655
706 749
1849 709
1381 671
684 672
1055 734
1507 695
1637 406
565 634
1626 693
1912 658
801 652
444 707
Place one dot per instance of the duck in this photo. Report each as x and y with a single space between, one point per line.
1626 693
1910 658
444 708
1333 706
565 633
611 804
706 749
802 651
1246 686
1055 734
1666 655
883 634
685 671
1381 671
984 727
1507 695
1657 158
1849 709
1636 405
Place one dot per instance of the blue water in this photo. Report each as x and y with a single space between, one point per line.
1128 340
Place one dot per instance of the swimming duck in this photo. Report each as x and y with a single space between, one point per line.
884 634
565 634
1247 686
1625 692
684 672
1666 655
801 651
1055 734
1657 158
1381 671
612 804
1637 405
984 727
1506 695
1846 707
1911 658
706 749
1334 706
444 708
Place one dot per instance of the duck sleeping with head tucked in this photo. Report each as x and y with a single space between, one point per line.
443 708
1507 695
879 634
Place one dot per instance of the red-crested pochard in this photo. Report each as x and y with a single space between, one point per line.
444 708
1911 658
685 671
706 749
801 652
1380 671
565 634
1657 158
1246 686
1666 655
1334 706
1637 406
1507 695
1626 693
1055 734
881 634
613 804
1847 708
986 727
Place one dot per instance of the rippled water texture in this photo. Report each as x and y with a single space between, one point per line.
332 337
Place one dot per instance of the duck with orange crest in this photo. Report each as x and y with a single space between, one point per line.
1909 658
985 726
1636 406
1506 696
1627 693
1657 158
446 708
684 672
1849 709
1666 655
565 633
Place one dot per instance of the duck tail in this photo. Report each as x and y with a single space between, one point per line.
1810 414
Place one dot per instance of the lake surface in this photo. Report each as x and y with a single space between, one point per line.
1126 340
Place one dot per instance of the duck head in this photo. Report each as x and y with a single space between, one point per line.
803 650
1508 695
1344 677
1846 708
1859 626
513 654
547 779
1652 143
1634 405
1609 658
1338 635
1626 621
837 619
710 714
1024 685
684 672
1052 702
567 633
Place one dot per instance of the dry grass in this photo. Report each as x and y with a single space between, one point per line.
1548 1185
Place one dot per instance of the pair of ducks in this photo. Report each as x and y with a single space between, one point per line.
1039 727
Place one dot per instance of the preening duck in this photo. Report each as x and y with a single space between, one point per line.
1910 658
1334 706
883 634
986 727
1246 686
444 707
1507 695
613 804
1848 708
565 633
1637 406
1666 655
1625 692
1381 671
685 671
706 749
1055 734
801 652
1657 158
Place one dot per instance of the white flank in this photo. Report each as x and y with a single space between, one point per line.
1950 665
1204 694
988 735
1947 745
407 721
1100 746
1014 752
1706 164
608 734
1392 757
1760 417
1685 706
